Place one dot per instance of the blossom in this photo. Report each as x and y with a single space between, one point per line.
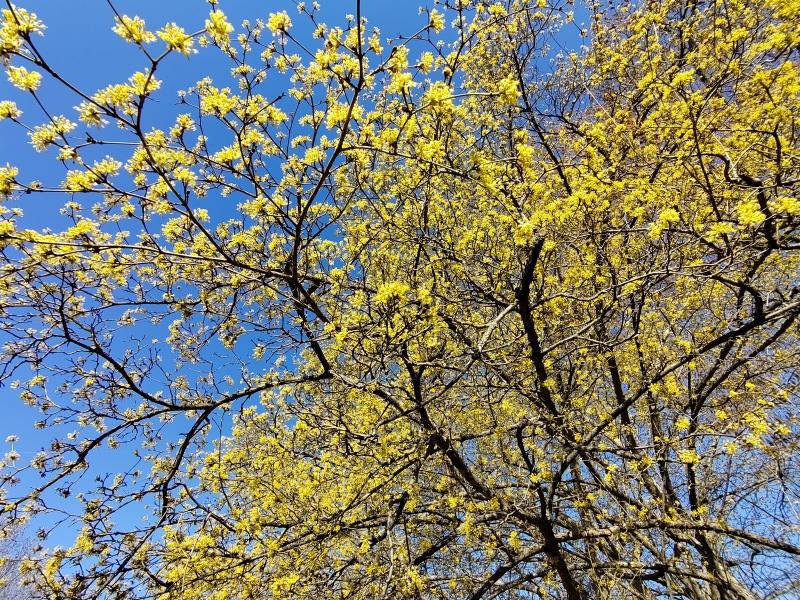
176 38
23 79
392 290
9 110
144 83
749 213
14 25
218 27
279 22
426 62
436 21
508 90
440 96
688 457
44 135
786 204
132 29
665 218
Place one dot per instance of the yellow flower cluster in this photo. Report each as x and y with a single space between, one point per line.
439 96
24 79
393 290
508 90
133 29
82 181
279 22
143 84
9 110
7 175
666 217
176 38
437 21
217 101
44 135
218 27
15 23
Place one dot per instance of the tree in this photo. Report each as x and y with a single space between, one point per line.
465 316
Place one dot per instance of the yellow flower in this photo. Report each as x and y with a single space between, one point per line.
83 543
7 175
430 150
665 218
89 113
401 83
717 230
79 181
730 447
23 79
20 21
114 95
749 214
82 227
393 290
44 135
185 176
523 233
217 102
176 38
337 114
683 78
144 83
132 29
508 90
426 62
279 22
439 95
786 204
9 110
281 585
437 21
525 154
218 27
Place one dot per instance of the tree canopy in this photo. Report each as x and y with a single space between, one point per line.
506 307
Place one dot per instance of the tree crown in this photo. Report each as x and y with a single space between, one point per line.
466 313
